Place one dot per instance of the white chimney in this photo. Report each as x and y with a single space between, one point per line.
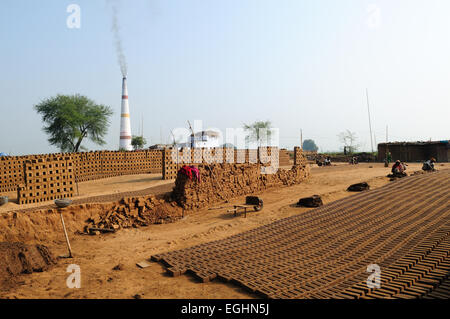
125 127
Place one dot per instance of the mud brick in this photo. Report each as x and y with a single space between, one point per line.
175 272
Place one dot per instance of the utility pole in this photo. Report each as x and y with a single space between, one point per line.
370 123
301 139
193 134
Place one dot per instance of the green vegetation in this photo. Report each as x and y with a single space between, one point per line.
310 145
138 142
68 119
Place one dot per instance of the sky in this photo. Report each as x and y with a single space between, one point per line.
302 64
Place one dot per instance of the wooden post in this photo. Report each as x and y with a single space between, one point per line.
65 234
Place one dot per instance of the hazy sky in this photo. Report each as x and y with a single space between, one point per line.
300 63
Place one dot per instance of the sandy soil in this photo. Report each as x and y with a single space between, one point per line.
112 185
98 255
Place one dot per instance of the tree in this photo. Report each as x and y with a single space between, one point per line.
138 142
310 145
68 119
258 130
348 138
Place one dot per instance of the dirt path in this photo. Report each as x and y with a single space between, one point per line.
97 255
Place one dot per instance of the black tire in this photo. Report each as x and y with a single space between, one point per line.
260 206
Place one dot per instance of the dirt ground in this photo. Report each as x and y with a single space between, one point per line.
98 255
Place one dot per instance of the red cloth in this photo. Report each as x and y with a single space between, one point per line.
195 172
186 170
190 171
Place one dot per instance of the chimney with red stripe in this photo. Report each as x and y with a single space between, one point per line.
125 127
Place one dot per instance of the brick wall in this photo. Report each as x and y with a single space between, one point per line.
220 182
409 152
86 166
299 156
47 179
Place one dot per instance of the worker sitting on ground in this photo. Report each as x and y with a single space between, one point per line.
398 169
429 165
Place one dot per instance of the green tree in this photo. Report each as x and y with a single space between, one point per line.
68 119
310 145
258 131
138 142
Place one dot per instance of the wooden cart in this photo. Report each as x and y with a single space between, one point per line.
251 202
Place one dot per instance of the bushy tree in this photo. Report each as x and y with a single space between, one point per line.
68 119
138 142
310 145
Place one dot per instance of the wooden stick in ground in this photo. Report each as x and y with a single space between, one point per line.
65 234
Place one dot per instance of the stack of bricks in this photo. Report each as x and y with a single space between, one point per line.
47 179
104 164
220 182
285 159
11 173
29 174
299 156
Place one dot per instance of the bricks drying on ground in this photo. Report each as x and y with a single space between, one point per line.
403 227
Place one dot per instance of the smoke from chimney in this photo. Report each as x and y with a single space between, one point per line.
117 39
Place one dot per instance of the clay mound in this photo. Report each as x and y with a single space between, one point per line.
135 212
18 258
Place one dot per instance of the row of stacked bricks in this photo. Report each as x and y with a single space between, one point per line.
47 179
299 156
172 160
11 173
97 165
284 158
87 166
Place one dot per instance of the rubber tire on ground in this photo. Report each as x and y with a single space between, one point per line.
260 206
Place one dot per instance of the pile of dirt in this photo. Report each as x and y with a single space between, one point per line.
134 212
220 182
19 258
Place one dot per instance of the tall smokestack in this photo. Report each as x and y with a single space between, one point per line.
125 127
